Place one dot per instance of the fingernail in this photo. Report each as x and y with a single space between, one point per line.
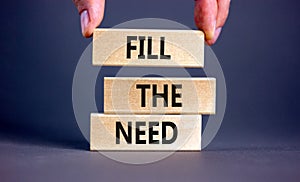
214 39
211 33
84 19
218 30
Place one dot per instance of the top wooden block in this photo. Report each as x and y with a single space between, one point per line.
148 47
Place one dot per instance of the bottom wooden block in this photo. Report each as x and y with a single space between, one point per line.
145 132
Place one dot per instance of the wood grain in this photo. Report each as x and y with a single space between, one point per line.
104 129
186 47
122 95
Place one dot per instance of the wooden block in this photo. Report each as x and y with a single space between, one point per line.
148 47
129 95
147 132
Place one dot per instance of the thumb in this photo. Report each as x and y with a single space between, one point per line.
91 14
206 16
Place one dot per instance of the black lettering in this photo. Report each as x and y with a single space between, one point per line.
164 132
156 95
143 93
150 56
138 132
162 49
142 40
152 132
176 95
129 46
128 137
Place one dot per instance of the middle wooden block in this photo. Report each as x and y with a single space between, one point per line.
129 95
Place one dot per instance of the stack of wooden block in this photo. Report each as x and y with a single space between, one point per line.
157 113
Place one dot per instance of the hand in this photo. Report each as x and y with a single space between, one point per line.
91 14
210 17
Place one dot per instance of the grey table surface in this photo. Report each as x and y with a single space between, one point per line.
25 160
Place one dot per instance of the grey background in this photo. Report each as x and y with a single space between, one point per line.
258 51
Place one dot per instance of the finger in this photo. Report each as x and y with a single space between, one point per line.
223 10
216 35
91 14
205 17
